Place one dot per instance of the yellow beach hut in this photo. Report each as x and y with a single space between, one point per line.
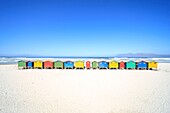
113 65
152 65
79 65
38 64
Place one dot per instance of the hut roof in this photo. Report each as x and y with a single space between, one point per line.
113 61
103 61
68 61
48 61
21 61
122 61
37 61
79 61
28 61
153 61
142 61
131 61
58 61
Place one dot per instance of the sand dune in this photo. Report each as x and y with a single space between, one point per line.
84 91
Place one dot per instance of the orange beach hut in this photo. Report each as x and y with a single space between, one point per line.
48 64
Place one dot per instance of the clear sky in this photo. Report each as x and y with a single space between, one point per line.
84 27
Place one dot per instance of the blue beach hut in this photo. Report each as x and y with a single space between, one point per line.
68 65
103 65
142 65
29 64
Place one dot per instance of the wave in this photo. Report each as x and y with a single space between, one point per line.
4 60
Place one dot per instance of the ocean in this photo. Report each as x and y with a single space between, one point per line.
14 60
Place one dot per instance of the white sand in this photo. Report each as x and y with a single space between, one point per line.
84 91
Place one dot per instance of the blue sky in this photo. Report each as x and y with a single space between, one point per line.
84 27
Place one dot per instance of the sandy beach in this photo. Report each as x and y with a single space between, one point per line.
84 91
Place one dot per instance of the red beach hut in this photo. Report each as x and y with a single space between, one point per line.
88 65
48 64
122 65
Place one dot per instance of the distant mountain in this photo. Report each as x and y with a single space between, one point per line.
142 55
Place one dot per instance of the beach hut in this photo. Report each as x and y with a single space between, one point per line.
130 65
21 64
58 65
29 64
142 65
103 65
113 65
69 65
88 65
152 65
38 64
122 65
48 64
79 65
94 65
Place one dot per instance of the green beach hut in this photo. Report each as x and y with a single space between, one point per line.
130 65
58 64
21 64
94 65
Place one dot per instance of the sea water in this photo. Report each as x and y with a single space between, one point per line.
14 60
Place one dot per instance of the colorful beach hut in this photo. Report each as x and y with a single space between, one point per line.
38 64
103 65
48 64
79 65
113 65
21 64
94 65
29 64
68 65
130 65
142 65
88 65
152 65
122 65
58 64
